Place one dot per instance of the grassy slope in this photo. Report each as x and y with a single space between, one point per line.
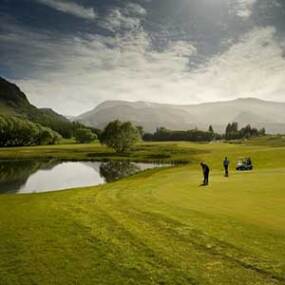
158 227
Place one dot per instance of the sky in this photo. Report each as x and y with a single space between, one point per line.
73 55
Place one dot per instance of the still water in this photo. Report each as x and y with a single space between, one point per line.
33 176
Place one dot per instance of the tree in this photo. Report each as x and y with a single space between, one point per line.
140 130
262 132
46 136
83 135
232 132
234 127
120 136
211 132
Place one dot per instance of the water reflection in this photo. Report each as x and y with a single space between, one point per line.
114 170
14 174
28 176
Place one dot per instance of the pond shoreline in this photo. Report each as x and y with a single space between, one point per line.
147 152
22 176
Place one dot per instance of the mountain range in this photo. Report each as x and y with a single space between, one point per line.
150 116
258 113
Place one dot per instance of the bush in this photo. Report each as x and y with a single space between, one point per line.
84 135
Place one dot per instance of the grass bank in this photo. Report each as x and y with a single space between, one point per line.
179 152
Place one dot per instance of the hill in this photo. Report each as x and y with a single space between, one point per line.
258 113
14 102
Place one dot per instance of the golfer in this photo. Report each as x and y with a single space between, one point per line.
226 166
206 170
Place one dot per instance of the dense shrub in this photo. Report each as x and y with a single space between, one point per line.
84 135
77 125
16 131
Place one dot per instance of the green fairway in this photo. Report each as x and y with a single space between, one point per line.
157 227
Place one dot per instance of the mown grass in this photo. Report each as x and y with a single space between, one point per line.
157 227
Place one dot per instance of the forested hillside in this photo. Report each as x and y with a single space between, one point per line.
13 102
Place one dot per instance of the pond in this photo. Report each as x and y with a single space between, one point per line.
34 176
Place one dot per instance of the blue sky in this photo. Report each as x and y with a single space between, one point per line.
73 55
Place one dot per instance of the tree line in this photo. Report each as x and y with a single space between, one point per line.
16 131
163 134
121 136
233 132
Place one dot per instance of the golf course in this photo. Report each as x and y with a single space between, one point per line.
158 226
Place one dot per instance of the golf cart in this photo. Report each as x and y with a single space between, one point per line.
244 164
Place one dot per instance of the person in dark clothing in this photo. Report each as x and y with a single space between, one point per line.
248 161
226 166
206 170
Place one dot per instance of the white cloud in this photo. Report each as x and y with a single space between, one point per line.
129 70
117 21
125 18
91 70
70 7
135 9
254 67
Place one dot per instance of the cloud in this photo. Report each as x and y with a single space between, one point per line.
126 18
91 70
135 9
71 8
254 67
98 68
73 74
244 8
